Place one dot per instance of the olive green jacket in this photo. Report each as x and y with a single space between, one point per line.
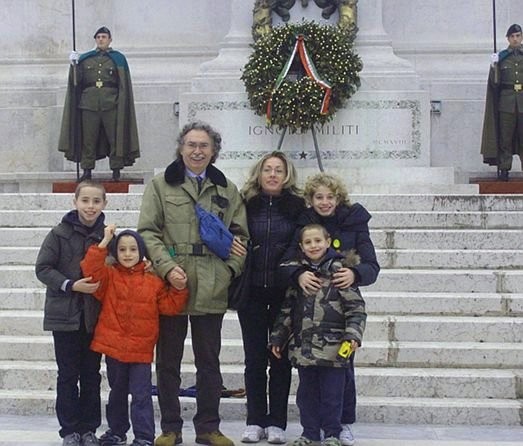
500 99
127 144
169 226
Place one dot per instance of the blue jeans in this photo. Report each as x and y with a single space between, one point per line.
78 405
135 379
349 398
320 400
257 320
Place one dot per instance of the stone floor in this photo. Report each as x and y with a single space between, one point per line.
41 431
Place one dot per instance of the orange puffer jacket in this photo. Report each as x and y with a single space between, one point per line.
132 300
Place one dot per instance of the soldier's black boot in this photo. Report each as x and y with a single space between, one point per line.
503 175
116 174
86 175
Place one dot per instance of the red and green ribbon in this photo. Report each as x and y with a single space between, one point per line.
310 70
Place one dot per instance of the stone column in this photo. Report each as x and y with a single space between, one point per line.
223 73
382 69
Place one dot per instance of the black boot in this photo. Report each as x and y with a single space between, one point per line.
503 175
86 175
116 174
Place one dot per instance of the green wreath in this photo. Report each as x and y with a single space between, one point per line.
301 103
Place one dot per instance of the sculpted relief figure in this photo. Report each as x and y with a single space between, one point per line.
263 9
262 20
348 14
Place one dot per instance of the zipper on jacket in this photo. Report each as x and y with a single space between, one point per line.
269 216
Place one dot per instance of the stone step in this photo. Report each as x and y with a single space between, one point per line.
448 239
430 303
389 258
382 239
380 219
445 315
472 281
371 381
507 259
384 302
379 327
382 353
447 411
445 220
442 280
381 202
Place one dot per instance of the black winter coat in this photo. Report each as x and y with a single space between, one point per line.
272 223
349 229
58 260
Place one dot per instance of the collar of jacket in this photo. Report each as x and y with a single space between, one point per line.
344 216
117 57
509 52
289 204
72 219
138 268
175 174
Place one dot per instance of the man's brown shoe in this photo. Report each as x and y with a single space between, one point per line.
169 439
215 438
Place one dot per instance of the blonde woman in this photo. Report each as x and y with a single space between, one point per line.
273 205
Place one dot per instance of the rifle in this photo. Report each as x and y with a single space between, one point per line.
75 84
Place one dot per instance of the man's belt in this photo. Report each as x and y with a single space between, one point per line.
191 249
515 87
101 84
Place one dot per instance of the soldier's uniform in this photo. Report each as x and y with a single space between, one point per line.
99 119
510 104
98 78
503 121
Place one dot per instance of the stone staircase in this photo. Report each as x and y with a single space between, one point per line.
444 340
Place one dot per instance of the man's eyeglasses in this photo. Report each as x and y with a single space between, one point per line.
194 145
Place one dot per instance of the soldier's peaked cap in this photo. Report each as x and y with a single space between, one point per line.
102 30
515 28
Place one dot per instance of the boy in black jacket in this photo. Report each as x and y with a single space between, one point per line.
71 313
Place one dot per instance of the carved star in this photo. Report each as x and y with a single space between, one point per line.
303 155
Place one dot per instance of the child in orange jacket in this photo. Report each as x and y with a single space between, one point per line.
127 330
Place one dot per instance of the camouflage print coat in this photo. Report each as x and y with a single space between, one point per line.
314 326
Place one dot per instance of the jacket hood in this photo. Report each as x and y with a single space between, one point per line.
138 268
345 217
139 241
72 218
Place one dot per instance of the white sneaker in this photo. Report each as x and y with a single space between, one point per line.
346 435
253 434
276 435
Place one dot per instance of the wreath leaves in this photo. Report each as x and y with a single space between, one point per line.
296 104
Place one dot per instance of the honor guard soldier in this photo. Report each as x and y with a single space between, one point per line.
503 123
99 118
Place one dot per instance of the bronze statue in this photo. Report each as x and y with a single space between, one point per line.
348 13
262 18
263 9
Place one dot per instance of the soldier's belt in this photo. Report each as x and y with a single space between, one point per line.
515 87
100 84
